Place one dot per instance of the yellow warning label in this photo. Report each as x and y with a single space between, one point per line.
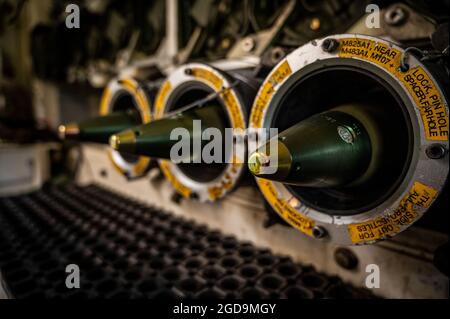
141 165
417 81
430 103
229 99
129 84
376 52
105 102
208 76
405 214
268 89
143 106
215 192
292 216
161 98
183 190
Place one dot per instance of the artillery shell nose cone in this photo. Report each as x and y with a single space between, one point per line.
114 142
255 162
124 141
68 130
62 132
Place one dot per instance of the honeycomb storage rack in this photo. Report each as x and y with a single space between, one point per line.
126 249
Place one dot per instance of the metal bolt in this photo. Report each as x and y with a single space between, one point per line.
248 44
194 196
395 16
319 232
329 45
436 151
295 203
176 198
225 43
188 71
314 24
345 258
103 173
276 55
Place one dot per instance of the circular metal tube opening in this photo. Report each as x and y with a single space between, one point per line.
315 91
188 93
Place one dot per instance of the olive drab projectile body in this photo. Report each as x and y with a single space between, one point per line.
99 129
326 150
154 139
